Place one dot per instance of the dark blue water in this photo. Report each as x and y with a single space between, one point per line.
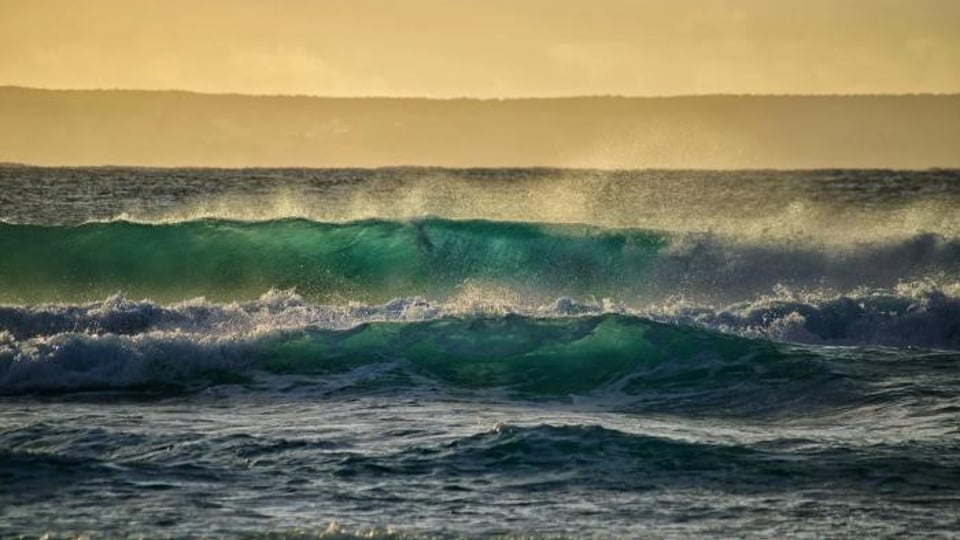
420 353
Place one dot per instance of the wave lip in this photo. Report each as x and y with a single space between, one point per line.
914 316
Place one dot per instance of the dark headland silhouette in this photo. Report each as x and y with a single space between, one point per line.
174 128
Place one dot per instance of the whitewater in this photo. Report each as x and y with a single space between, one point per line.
479 353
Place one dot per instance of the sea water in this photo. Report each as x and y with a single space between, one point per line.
431 353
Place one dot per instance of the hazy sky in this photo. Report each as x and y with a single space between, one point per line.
487 48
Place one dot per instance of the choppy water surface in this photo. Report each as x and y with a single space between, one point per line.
479 353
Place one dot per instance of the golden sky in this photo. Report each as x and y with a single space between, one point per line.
484 48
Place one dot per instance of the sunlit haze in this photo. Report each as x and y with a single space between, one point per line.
476 269
488 48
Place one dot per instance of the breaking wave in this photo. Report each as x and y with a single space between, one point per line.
375 261
560 348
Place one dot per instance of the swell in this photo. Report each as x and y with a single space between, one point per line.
513 353
913 315
367 261
375 261
621 360
540 456
596 456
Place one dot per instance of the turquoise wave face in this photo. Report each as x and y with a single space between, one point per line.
526 357
376 261
640 363
363 261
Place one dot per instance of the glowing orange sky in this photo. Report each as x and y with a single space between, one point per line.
486 48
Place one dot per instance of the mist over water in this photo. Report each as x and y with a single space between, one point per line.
435 353
700 203
819 205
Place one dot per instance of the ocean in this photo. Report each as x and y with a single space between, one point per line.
479 353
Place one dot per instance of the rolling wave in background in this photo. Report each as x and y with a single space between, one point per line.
382 260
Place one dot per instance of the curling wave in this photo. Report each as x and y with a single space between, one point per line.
556 349
375 261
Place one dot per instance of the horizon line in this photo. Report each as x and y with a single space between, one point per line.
27 165
476 98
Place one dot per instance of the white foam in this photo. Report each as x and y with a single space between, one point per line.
120 342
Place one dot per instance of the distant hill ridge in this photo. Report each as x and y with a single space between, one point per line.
177 128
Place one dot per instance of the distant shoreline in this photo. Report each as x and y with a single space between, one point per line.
711 132
186 91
